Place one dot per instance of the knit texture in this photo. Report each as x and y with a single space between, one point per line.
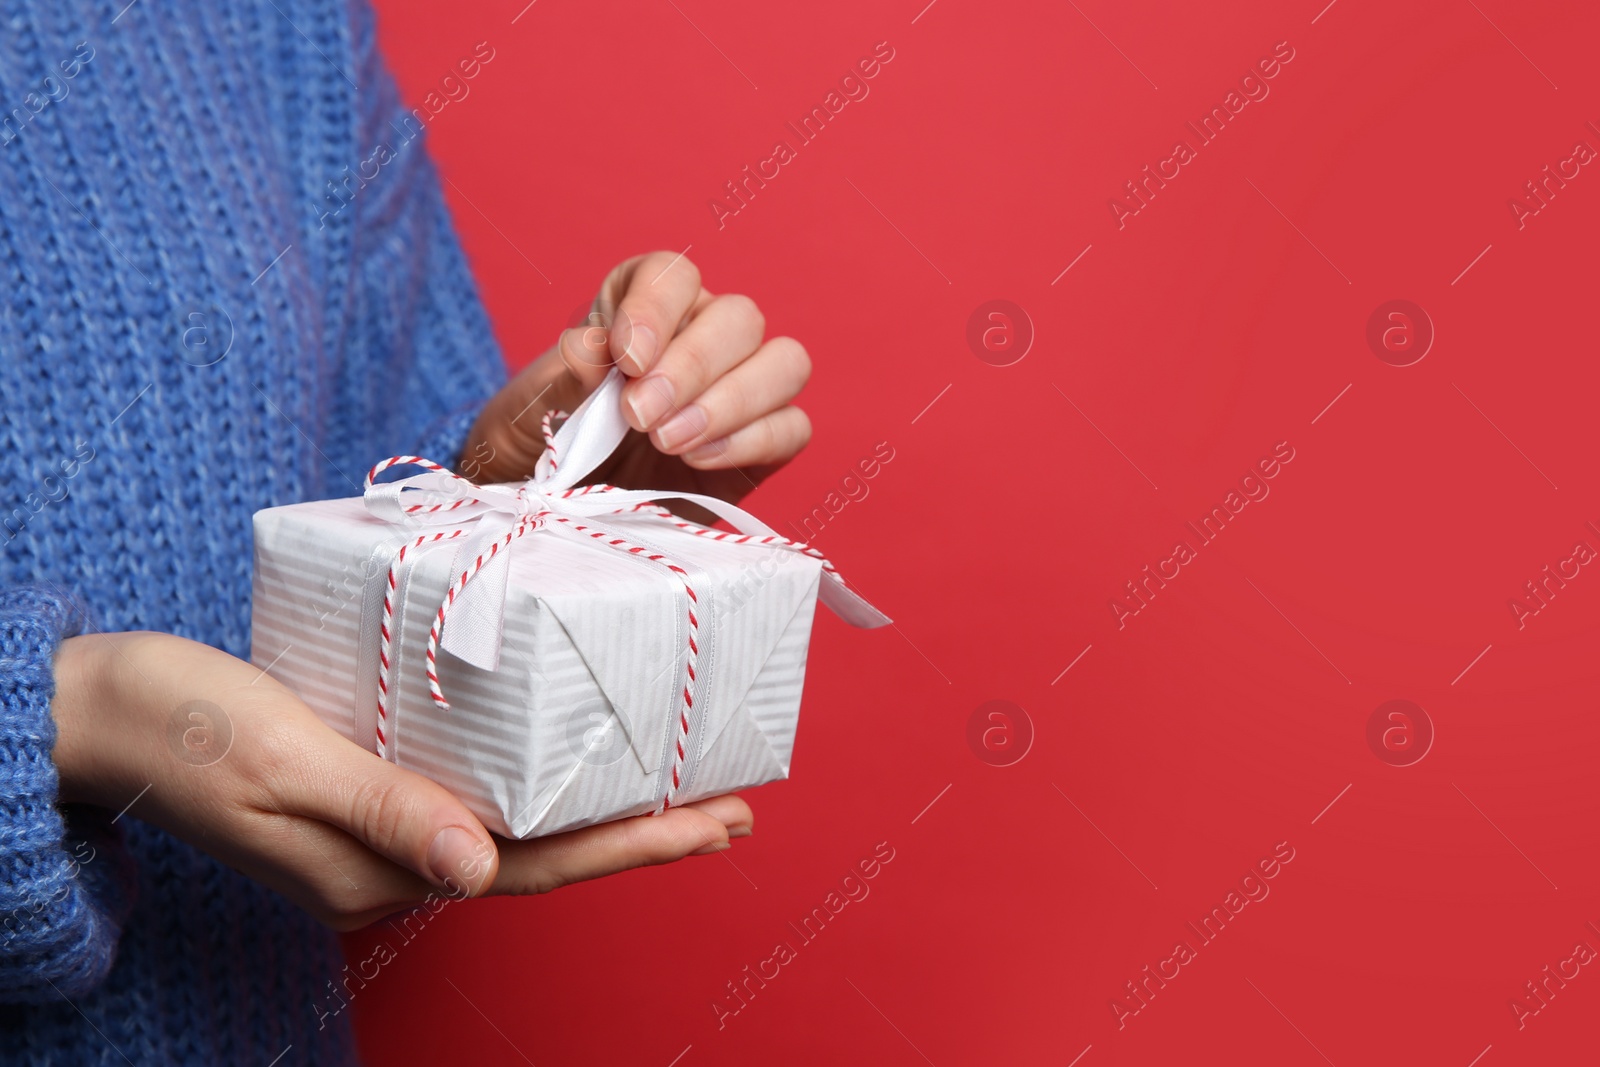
216 300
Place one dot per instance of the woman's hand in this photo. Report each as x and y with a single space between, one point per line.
224 757
708 398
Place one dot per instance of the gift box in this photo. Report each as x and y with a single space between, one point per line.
555 655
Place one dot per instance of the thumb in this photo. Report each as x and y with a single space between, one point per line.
403 817
585 349
509 434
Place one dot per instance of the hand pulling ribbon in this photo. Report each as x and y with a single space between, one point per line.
489 518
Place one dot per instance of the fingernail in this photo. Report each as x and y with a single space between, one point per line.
712 849
683 428
640 351
739 831
453 849
650 398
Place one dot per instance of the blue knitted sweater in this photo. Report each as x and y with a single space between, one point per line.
215 300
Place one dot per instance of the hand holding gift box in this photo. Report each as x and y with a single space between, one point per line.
555 655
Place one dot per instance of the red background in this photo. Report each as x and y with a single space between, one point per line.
1227 715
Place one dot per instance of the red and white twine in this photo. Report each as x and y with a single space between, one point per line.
771 540
386 630
386 627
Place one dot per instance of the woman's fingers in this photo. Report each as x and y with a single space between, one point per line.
401 816
341 882
652 294
585 353
703 384
757 386
548 863
336 875
721 337
770 440
730 810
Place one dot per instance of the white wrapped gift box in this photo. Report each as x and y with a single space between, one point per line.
575 697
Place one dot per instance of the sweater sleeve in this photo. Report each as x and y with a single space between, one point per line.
65 882
421 339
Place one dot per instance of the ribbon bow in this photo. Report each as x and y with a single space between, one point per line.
489 518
